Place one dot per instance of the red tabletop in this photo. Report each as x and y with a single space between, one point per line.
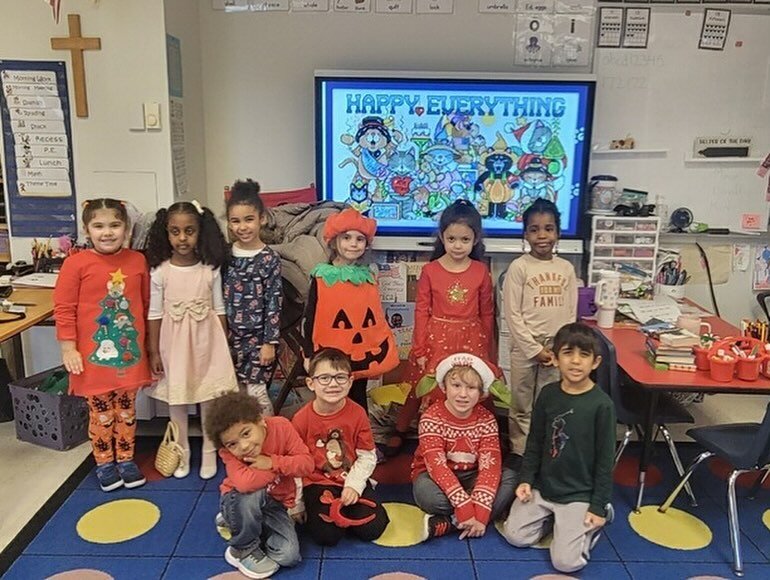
631 356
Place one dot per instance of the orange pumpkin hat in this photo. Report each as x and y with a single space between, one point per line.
347 220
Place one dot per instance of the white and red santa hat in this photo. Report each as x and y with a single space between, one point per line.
464 359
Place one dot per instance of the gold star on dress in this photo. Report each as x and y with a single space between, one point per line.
457 294
118 276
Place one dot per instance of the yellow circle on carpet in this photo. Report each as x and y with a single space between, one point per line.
766 519
406 527
674 529
118 521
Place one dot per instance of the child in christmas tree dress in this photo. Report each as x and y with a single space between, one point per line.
455 308
187 343
100 303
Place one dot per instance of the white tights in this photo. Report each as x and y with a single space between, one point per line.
178 414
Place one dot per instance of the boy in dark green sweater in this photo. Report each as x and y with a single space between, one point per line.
566 474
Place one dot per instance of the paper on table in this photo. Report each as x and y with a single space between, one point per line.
662 308
37 280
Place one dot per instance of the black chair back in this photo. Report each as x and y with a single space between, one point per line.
608 377
759 452
762 299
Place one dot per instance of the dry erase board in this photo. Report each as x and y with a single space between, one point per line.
672 92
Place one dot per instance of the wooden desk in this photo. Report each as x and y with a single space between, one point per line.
42 298
631 355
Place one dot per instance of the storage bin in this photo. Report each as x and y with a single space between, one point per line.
722 370
55 421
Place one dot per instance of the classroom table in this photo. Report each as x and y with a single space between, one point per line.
39 308
631 354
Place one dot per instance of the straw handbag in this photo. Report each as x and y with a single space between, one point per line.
170 453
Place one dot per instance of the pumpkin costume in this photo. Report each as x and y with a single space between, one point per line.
344 311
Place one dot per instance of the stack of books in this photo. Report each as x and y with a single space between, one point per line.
670 357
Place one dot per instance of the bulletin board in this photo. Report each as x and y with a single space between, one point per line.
37 146
668 94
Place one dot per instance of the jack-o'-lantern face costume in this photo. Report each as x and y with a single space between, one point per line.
348 311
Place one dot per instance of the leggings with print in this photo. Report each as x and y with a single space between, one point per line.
112 425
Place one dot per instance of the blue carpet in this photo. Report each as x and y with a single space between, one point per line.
184 543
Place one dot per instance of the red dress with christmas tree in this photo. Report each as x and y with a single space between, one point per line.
101 303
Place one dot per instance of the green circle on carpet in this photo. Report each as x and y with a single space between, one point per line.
406 527
674 529
118 521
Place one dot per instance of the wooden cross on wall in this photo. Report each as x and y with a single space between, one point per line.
76 44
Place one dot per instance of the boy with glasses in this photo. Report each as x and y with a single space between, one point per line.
337 494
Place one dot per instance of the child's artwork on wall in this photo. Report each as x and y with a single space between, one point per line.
762 268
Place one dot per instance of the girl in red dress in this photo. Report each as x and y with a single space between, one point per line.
455 307
100 306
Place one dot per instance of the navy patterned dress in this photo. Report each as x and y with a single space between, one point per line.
252 293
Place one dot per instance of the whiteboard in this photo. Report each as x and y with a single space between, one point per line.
672 92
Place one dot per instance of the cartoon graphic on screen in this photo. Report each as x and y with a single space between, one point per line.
404 153
495 185
371 146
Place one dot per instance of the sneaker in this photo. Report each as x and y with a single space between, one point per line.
254 565
223 529
259 392
131 474
607 521
108 476
437 526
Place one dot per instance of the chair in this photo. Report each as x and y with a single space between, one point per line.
291 333
630 403
746 446
762 299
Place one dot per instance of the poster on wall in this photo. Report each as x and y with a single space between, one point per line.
533 39
37 137
762 268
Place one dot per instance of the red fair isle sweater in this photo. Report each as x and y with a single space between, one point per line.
291 459
449 444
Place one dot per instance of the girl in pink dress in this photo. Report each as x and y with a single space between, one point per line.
455 306
186 321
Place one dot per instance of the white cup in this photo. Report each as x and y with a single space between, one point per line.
606 299
693 324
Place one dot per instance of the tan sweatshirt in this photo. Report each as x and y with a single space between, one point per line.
539 297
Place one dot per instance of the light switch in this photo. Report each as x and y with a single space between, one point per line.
152 116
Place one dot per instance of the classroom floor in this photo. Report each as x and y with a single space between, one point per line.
170 534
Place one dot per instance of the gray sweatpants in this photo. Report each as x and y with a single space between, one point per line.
527 523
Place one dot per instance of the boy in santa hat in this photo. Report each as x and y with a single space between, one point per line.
457 473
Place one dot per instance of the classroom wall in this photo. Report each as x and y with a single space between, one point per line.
129 69
183 22
258 99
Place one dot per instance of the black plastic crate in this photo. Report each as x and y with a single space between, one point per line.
55 421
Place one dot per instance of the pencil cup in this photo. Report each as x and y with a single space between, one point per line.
748 369
675 292
722 370
702 362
